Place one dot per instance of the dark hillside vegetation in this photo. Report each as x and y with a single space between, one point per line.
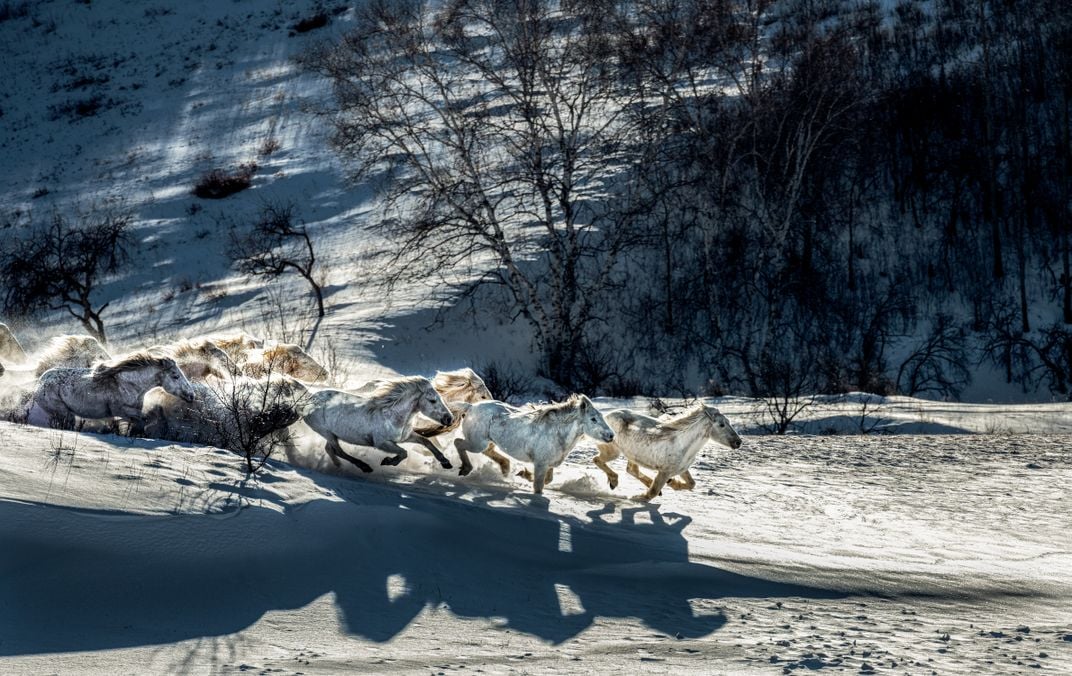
819 196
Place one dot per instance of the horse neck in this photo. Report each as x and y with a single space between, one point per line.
692 438
569 433
141 380
403 411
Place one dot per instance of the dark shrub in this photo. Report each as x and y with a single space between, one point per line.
219 183
311 23
74 110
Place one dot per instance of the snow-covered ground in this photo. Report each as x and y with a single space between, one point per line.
900 554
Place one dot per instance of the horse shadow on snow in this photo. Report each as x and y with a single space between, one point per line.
73 580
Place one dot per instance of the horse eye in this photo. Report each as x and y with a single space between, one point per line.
721 425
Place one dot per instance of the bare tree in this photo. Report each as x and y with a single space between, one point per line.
276 244
60 265
497 129
252 417
938 364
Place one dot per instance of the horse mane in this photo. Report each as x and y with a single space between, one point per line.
277 351
561 409
449 383
234 342
284 353
134 361
198 347
190 349
396 390
685 420
64 348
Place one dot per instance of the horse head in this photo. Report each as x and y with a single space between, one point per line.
479 389
216 356
592 421
719 428
292 360
431 404
171 378
463 385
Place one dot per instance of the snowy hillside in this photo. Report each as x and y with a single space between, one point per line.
137 101
184 89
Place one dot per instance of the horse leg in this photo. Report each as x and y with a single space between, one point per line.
502 460
389 446
540 478
463 449
685 483
64 420
607 452
432 447
656 487
333 449
634 469
136 427
361 464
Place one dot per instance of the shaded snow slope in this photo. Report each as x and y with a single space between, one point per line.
184 89
942 553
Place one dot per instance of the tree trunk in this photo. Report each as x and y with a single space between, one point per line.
668 281
1064 218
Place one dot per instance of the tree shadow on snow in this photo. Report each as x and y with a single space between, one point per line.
73 579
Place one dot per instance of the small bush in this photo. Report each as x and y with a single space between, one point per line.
77 109
504 383
219 183
81 81
269 146
318 20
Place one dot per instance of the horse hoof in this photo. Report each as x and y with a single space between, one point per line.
464 470
447 465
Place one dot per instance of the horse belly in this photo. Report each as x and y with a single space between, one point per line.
38 416
653 457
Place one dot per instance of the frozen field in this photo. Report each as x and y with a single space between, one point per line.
898 554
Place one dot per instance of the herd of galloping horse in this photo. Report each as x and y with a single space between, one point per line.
183 391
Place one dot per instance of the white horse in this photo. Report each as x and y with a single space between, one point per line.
236 345
223 410
109 389
71 351
381 419
668 447
542 435
458 389
285 358
198 358
10 349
